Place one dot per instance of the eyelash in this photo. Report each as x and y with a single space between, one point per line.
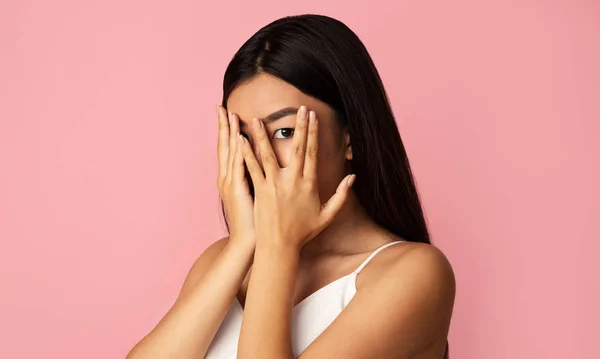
285 129
281 129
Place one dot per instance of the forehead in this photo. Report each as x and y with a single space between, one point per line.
264 94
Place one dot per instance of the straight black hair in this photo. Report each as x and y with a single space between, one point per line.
326 60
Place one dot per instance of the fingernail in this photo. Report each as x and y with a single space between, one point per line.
351 180
230 117
302 111
312 117
257 123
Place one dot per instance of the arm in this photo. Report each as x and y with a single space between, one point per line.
266 324
404 312
189 327
282 230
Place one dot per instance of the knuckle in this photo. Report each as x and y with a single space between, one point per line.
312 151
254 169
310 185
221 180
272 188
222 191
268 158
299 150
261 136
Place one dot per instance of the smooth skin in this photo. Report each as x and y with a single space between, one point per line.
284 246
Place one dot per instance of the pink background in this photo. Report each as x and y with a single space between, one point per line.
107 148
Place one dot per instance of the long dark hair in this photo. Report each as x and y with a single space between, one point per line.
326 60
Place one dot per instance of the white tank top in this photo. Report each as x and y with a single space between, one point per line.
310 317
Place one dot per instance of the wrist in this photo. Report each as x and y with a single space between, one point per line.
241 243
279 247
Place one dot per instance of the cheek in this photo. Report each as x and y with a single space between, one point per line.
331 167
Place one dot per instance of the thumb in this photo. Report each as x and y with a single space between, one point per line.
335 203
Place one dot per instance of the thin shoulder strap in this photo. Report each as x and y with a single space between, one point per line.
363 264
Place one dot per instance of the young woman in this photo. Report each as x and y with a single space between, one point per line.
328 253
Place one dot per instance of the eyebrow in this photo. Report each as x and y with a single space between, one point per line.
275 115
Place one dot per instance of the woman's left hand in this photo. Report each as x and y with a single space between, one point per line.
287 208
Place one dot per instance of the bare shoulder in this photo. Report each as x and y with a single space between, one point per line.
416 283
423 257
402 308
202 263
412 265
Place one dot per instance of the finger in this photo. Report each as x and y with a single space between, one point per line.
238 171
234 129
335 203
312 147
267 155
299 142
252 164
223 141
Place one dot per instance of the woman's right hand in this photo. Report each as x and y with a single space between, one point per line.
232 183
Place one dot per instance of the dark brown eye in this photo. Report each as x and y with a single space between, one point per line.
283 133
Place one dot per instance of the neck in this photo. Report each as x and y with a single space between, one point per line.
343 235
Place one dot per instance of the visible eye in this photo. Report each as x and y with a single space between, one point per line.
283 133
